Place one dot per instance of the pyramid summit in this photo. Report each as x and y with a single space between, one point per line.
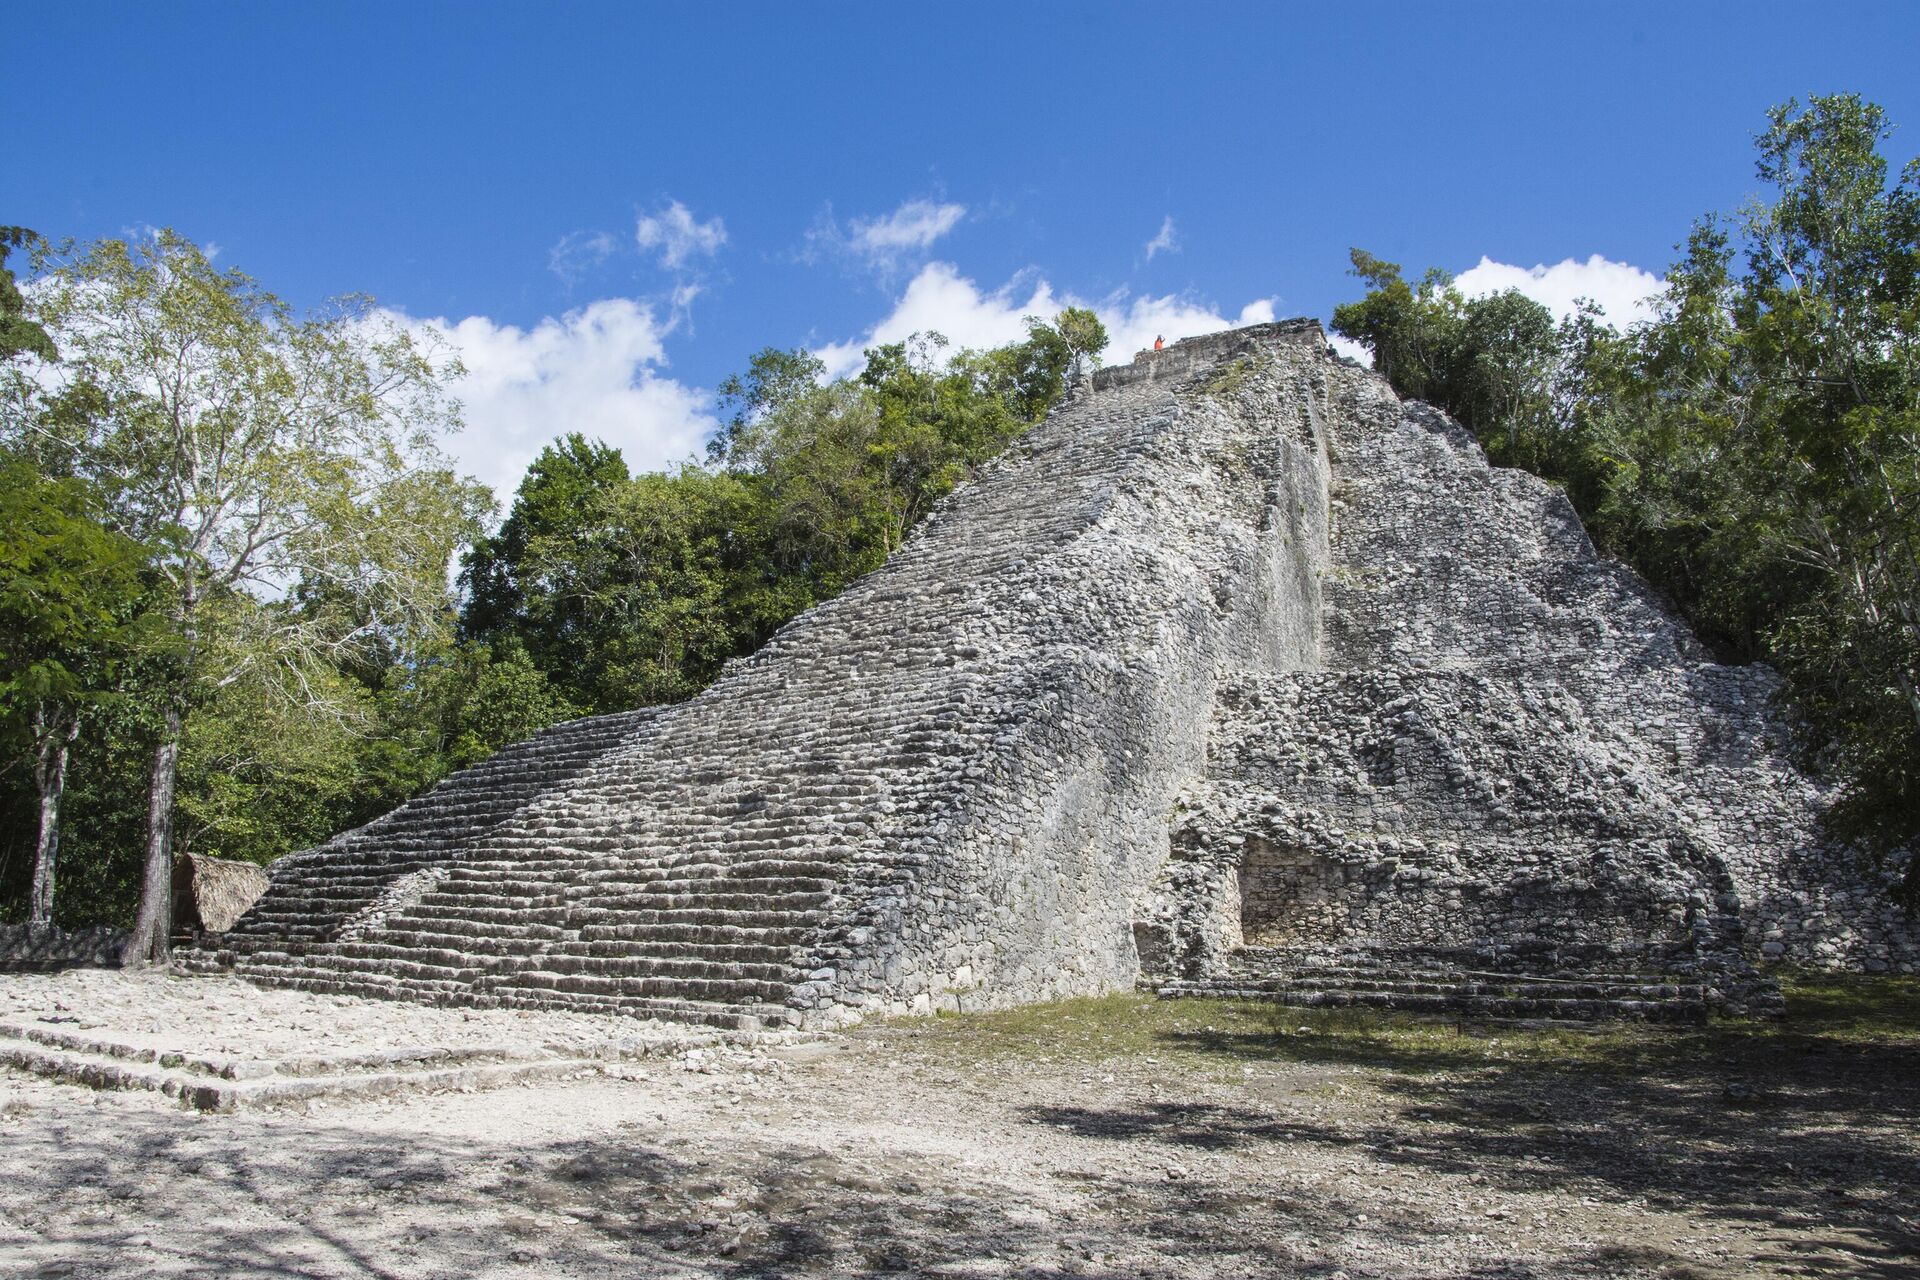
1237 675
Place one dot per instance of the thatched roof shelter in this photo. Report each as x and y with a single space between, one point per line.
212 893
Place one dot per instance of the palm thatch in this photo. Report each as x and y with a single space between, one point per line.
212 893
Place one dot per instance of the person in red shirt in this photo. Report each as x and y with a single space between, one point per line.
1158 342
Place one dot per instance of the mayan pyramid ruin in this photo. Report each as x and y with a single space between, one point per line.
1238 675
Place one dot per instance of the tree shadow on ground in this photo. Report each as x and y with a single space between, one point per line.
1809 1135
270 1197
245 1196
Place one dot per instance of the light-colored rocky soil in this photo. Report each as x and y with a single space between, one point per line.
1097 1138
227 1018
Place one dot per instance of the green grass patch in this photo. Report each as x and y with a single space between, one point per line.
1825 1012
1860 1008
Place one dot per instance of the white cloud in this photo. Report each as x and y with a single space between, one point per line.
575 254
594 370
1625 293
914 226
1348 347
1164 240
886 243
678 235
940 299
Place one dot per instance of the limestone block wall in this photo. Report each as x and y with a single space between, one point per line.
1425 809
23 948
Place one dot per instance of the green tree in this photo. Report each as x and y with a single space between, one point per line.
1827 349
646 601
555 500
774 378
1764 449
503 700
1490 361
1085 338
1413 334
1508 354
255 452
19 334
72 618
261 773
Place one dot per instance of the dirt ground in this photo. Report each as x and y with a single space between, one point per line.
1116 1137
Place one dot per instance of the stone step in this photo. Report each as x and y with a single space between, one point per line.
230 1067
670 948
789 933
703 967
210 1092
1509 985
447 972
415 957
719 895
373 942
453 972
745 1017
731 991
417 954
1461 1003
1452 978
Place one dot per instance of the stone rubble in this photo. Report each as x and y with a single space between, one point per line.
1236 671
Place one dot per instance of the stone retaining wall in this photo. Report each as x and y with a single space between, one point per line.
24 949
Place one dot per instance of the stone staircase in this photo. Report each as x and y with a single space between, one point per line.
940 783
313 894
699 915
1460 983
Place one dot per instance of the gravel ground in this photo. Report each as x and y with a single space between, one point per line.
1003 1145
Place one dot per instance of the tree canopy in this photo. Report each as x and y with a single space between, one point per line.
279 473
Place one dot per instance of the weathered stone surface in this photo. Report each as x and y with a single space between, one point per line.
1403 717
26 948
1512 759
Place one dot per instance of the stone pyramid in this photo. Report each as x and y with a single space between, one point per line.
1236 675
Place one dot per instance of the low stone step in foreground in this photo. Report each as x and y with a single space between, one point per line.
1427 983
219 1043
1465 1001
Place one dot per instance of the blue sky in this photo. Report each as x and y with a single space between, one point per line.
610 206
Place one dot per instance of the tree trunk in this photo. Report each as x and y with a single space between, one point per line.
50 778
152 927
